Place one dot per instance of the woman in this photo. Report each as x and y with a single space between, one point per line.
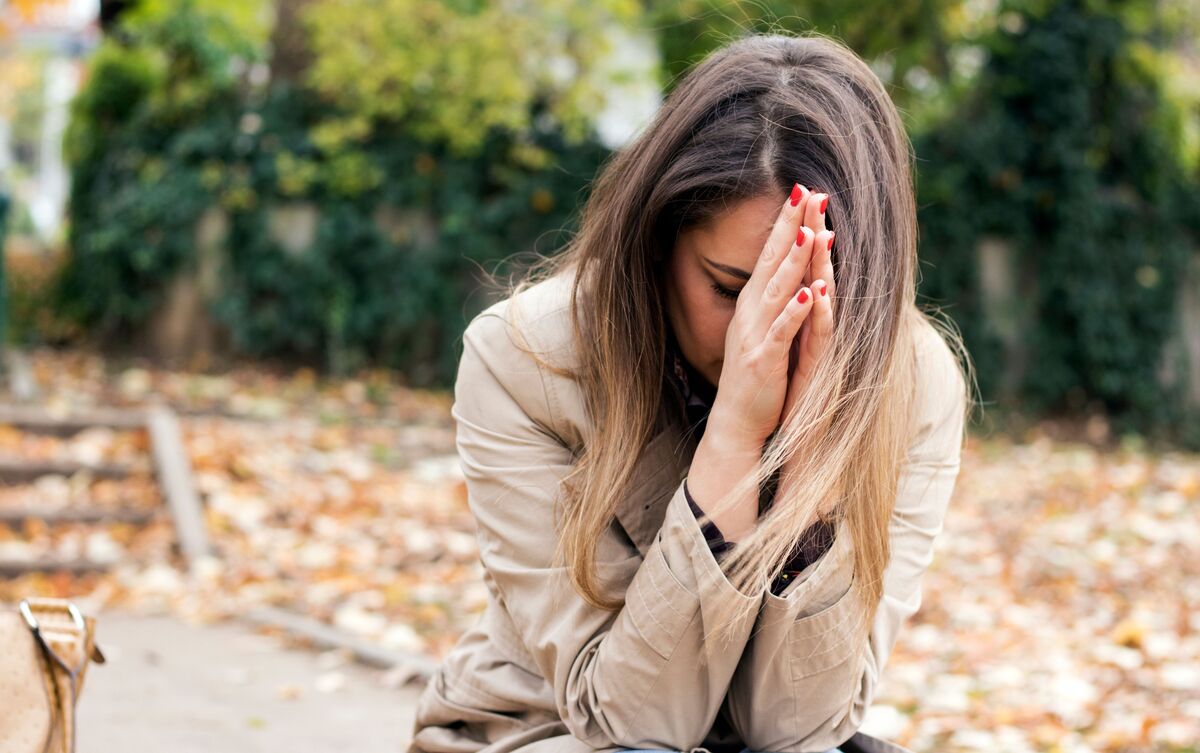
707 455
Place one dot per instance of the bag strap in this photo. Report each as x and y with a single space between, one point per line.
69 674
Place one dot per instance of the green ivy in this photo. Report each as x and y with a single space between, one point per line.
162 133
1054 152
153 117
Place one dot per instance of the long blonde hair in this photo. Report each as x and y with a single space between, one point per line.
749 120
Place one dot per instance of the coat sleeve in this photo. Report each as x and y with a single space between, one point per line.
643 676
803 683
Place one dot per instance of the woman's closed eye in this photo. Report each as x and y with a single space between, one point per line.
725 292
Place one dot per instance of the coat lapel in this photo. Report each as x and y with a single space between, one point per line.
656 476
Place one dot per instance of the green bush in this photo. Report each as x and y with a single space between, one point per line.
1057 151
153 117
163 132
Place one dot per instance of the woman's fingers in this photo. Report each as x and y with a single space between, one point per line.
790 274
814 212
779 242
818 332
814 218
821 265
783 330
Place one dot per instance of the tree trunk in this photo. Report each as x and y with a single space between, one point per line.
290 54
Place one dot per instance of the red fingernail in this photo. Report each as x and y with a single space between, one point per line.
824 288
832 235
824 203
802 236
795 194
802 296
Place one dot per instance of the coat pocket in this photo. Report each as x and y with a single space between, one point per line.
658 605
825 638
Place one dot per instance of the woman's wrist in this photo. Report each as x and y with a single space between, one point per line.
720 462
731 435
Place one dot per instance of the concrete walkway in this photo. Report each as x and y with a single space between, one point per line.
168 685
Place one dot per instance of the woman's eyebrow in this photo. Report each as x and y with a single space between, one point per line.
741 274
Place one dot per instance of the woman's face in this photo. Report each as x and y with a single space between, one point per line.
721 254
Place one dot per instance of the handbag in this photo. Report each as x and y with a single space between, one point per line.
45 646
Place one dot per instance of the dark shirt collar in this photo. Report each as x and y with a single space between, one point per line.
696 392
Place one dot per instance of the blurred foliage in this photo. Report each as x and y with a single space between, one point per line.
1066 162
907 42
178 117
239 25
21 109
152 115
393 259
30 276
429 138
454 71
21 93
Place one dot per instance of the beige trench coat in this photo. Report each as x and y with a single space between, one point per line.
544 672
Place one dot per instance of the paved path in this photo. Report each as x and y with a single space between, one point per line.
168 685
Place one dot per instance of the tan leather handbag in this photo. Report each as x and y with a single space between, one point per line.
45 646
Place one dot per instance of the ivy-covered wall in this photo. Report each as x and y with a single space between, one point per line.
1059 225
177 120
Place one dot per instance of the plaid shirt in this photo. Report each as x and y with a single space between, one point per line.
697 395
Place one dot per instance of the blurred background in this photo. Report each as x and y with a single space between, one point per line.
241 239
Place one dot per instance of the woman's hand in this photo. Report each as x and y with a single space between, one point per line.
754 377
769 313
817 332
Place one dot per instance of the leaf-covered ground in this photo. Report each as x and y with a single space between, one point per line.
1061 612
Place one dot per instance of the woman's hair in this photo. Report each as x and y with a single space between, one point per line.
751 119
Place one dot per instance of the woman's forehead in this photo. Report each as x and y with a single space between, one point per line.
736 236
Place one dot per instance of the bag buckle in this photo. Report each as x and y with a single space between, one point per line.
31 620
